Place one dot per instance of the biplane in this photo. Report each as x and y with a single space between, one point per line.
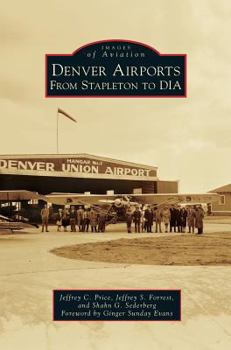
13 221
14 224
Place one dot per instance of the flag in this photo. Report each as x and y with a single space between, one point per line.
66 115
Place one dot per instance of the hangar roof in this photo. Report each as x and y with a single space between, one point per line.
76 155
222 189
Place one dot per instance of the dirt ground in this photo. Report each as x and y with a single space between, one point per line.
29 273
185 249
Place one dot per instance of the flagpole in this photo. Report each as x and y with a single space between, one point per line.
57 133
59 110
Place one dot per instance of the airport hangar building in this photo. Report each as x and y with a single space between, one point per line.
79 173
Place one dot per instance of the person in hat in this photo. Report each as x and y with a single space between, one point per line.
45 217
93 220
102 217
129 215
191 219
79 215
199 220
166 215
148 214
86 220
59 219
65 219
137 218
158 218
73 219
183 219
173 219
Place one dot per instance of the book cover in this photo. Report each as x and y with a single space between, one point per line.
125 104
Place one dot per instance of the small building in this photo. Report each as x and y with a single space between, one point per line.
224 205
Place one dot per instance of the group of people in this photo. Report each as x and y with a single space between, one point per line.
146 219
173 219
78 219
81 219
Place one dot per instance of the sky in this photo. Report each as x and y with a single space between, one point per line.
188 139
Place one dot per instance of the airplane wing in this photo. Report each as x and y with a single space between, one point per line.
149 198
4 218
15 225
80 199
174 198
10 224
19 195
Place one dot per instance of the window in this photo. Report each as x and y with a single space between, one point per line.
222 200
33 201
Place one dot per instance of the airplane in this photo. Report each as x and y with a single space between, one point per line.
13 220
116 205
117 200
13 225
125 200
